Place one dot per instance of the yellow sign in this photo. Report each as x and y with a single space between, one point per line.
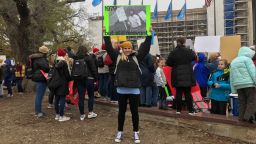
119 38
229 47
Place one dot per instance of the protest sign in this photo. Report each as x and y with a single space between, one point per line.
230 46
119 38
154 49
207 44
127 20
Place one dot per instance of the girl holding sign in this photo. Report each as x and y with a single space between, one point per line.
127 80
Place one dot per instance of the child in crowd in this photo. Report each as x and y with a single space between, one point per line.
161 83
8 76
243 82
220 88
202 74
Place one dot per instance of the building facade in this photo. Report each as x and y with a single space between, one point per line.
233 17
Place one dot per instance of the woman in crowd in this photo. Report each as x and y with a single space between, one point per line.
127 80
20 74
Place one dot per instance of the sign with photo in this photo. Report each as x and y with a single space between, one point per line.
127 20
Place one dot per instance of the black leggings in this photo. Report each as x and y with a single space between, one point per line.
188 97
122 103
218 107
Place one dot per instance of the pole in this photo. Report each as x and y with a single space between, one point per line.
186 19
215 27
157 10
102 22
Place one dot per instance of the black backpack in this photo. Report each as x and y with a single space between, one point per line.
54 80
100 62
79 69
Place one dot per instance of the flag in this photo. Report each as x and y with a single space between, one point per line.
155 14
130 2
114 2
182 12
142 2
169 12
208 3
96 2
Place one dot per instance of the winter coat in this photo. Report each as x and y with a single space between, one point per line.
201 71
221 93
127 72
92 66
20 71
160 78
212 66
8 71
180 60
62 67
39 62
105 69
2 67
148 71
242 70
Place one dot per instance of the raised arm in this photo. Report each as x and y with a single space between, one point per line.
144 48
110 50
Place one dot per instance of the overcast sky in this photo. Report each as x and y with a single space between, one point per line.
162 4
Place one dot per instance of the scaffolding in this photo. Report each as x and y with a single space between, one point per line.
167 32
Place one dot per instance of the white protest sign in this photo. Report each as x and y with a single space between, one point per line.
120 12
154 49
207 44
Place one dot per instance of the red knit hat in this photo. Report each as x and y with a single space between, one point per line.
61 52
94 50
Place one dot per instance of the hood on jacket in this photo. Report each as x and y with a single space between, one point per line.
8 62
201 57
246 51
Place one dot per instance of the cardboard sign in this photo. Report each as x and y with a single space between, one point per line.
230 46
119 38
154 48
207 44
127 20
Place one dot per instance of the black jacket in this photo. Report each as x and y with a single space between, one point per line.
39 62
148 71
128 73
180 59
62 67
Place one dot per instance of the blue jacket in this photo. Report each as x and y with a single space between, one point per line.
201 71
242 70
221 93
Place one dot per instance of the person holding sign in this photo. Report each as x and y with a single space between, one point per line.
127 80
180 59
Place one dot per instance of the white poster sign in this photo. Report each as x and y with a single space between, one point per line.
207 44
154 49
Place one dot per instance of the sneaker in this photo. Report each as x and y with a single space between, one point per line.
192 113
20 93
177 112
40 115
92 115
63 118
119 137
136 137
9 95
57 117
50 106
82 117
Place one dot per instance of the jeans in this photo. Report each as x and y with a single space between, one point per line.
103 84
19 84
112 88
60 104
155 93
162 97
81 84
146 96
9 87
40 90
218 107
90 92
122 104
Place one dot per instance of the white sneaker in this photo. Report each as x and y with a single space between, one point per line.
82 117
177 112
119 137
64 118
192 113
50 106
57 117
136 137
92 115
9 95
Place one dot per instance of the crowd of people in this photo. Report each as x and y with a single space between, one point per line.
123 76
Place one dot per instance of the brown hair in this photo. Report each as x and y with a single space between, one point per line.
225 62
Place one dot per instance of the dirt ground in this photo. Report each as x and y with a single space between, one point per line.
20 126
